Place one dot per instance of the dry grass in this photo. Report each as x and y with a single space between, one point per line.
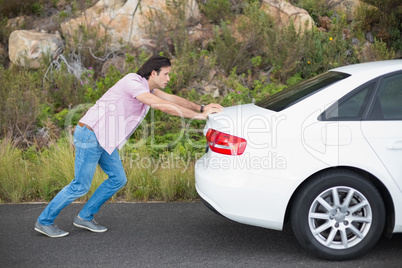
42 178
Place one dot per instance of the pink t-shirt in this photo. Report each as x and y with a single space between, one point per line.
117 114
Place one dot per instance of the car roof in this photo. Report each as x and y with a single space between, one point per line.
378 67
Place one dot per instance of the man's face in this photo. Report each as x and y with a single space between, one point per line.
162 78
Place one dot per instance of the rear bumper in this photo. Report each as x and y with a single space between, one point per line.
208 205
241 197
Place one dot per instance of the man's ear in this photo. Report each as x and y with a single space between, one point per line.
154 73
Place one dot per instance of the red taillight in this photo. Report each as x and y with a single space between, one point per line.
223 143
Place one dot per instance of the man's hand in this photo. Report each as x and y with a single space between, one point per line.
211 108
212 105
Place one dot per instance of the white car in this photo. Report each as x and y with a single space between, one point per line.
325 154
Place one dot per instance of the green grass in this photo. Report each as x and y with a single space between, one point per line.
17 181
40 177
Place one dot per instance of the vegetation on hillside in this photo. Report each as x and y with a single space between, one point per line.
39 108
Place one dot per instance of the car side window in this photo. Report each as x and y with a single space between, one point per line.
351 108
387 104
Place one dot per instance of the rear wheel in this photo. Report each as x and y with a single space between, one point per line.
338 215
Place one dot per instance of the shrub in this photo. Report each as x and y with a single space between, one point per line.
375 52
231 52
87 47
95 89
190 66
63 89
4 35
17 8
322 51
315 8
168 28
217 10
20 96
383 19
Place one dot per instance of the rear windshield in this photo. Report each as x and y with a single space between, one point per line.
300 91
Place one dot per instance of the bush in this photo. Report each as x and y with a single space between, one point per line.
190 66
383 19
95 89
20 96
217 10
227 49
375 52
18 7
63 89
315 8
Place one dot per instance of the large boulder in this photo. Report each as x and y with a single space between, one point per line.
123 21
346 6
284 13
31 46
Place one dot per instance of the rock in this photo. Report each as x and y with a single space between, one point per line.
344 6
210 88
366 54
369 37
355 41
325 23
211 75
118 62
201 34
216 93
32 46
47 24
123 21
114 3
346 34
381 33
283 13
16 22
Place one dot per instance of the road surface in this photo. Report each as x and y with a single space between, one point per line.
162 235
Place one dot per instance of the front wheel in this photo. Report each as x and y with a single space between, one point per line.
338 215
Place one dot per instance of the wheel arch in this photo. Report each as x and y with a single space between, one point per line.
386 196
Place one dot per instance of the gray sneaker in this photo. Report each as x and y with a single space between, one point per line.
50 230
91 225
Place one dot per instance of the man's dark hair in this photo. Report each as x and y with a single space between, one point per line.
153 63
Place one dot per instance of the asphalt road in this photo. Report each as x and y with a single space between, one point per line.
162 235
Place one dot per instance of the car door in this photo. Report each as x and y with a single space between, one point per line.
382 126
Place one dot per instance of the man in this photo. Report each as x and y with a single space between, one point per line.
104 129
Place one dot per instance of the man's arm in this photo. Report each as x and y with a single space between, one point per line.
173 108
183 102
177 100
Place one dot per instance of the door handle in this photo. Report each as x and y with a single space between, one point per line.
395 146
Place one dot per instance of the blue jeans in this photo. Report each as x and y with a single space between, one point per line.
88 154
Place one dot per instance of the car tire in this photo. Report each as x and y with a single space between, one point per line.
338 215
